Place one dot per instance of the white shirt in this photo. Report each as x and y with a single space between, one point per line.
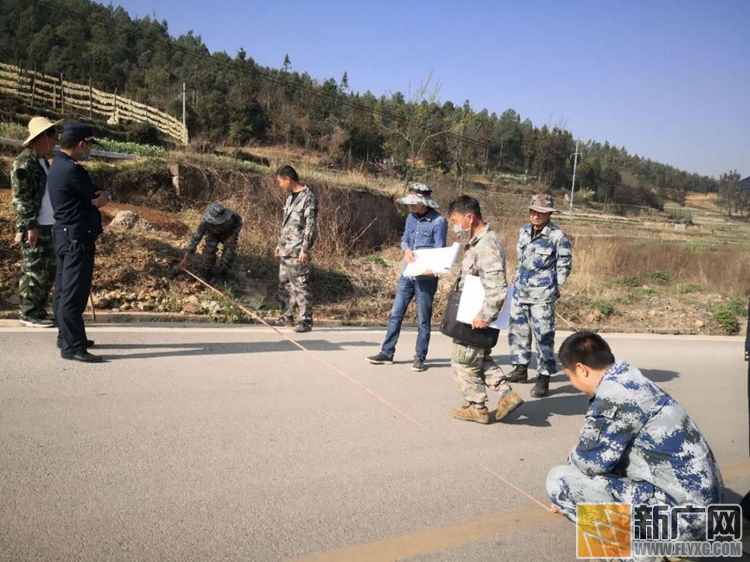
46 213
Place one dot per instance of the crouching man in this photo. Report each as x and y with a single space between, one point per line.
638 445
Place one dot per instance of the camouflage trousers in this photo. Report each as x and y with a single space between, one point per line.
295 290
38 269
567 487
474 371
228 255
539 320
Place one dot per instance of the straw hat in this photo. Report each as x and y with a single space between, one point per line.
38 125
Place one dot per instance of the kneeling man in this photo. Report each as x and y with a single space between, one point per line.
638 445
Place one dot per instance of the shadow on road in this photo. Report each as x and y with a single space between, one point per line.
567 401
157 350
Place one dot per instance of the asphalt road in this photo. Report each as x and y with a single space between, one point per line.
197 443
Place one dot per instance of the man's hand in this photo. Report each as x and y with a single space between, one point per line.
32 236
102 198
184 262
276 251
304 257
480 324
409 255
553 508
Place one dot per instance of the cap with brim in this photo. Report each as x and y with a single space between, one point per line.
419 194
77 132
415 199
39 125
216 214
542 203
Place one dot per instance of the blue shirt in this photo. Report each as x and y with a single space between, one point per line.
427 231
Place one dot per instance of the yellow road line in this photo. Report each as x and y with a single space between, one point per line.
464 532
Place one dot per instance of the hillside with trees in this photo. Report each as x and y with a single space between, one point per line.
231 100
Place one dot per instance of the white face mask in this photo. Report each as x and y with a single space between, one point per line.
458 228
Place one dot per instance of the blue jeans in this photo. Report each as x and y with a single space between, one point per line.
424 289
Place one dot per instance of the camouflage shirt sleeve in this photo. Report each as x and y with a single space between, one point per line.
564 259
237 226
196 238
23 183
610 428
491 268
310 217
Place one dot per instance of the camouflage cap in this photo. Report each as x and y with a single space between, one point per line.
419 194
216 214
542 203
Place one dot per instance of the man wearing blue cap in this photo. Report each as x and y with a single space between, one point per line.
78 223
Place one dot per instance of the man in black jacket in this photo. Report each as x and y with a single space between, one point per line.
78 223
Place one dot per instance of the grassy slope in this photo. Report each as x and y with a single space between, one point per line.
630 274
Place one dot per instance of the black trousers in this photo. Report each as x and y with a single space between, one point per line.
75 270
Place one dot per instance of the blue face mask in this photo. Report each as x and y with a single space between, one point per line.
85 157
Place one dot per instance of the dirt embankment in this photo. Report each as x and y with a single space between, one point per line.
621 282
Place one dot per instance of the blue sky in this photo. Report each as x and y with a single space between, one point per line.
669 80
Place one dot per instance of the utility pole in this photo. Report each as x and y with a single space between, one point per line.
184 122
573 186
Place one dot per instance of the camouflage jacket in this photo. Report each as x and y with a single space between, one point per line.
544 264
636 430
28 180
484 257
299 228
219 231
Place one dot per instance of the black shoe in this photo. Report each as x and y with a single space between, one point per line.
89 343
380 359
418 365
83 357
301 328
35 322
541 388
519 374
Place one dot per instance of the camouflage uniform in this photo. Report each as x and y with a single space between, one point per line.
544 263
29 180
637 446
217 231
473 367
298 233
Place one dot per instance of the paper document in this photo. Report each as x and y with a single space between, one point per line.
437 260
472 298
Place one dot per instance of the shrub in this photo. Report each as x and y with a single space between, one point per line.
727 321
604 307
659 276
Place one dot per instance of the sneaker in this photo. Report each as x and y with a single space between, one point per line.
380 359
418 365
282 322
541 388
36 322
508 402
301 328
470 412
520 373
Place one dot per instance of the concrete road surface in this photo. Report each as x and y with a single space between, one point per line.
197 443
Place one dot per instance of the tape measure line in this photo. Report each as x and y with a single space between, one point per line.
353 381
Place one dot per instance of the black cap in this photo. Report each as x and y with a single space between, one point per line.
75 132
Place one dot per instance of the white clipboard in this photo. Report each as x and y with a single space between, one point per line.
439 261
472 297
